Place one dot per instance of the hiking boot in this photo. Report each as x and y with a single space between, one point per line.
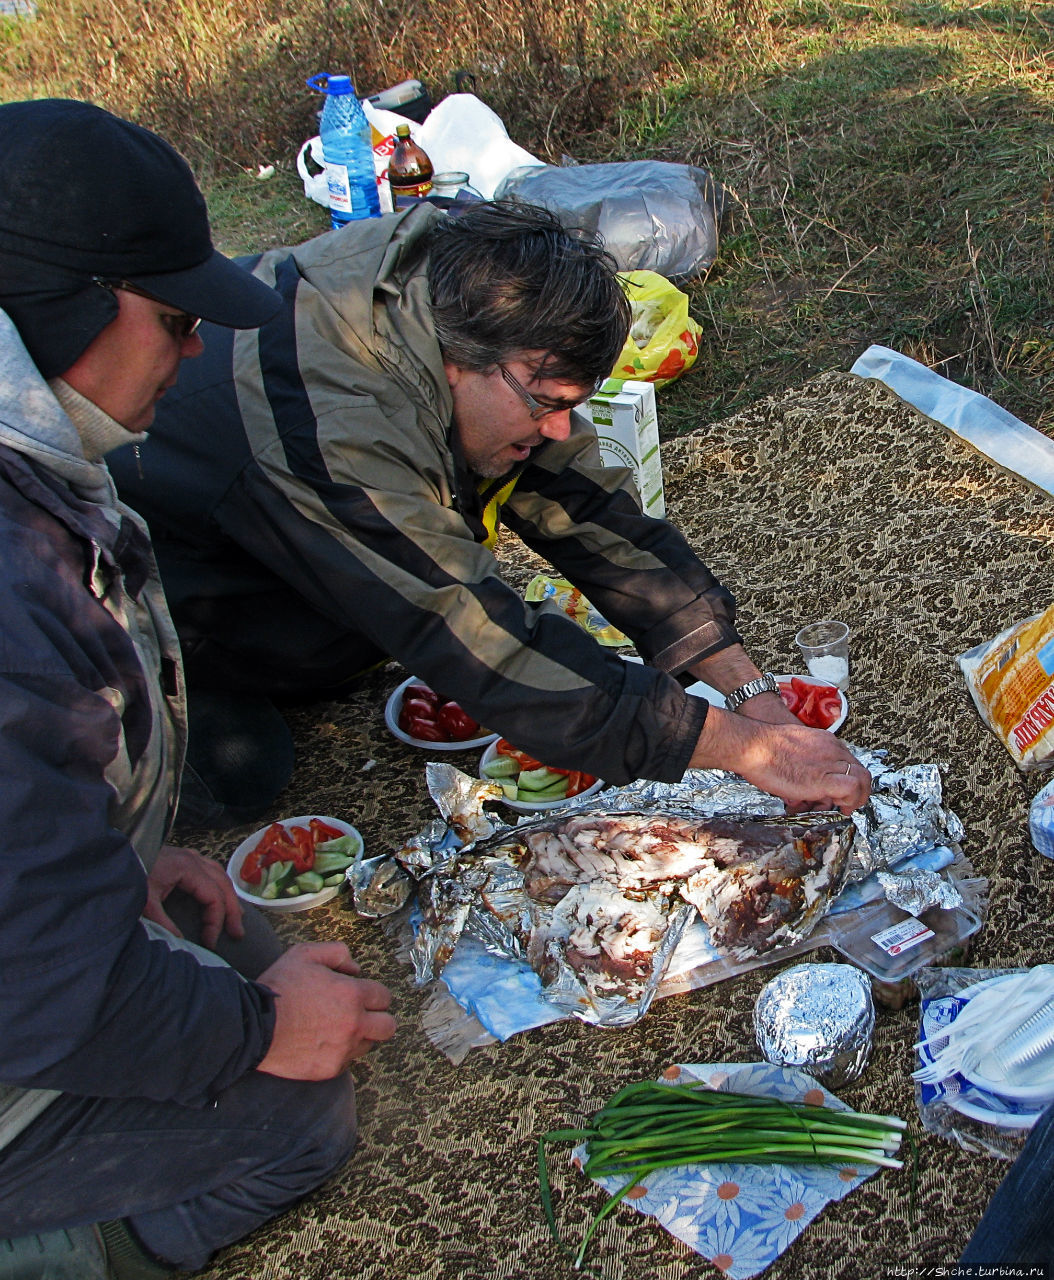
76 1254
105 1251
127 1258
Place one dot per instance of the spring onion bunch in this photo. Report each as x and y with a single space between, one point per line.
649 1126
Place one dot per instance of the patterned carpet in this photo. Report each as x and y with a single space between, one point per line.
834 500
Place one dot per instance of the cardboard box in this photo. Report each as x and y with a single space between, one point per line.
627 426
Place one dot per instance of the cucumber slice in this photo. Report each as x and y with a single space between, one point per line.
539 779
338 877
510 788
501 767
349 846
558 791
327 863
309 882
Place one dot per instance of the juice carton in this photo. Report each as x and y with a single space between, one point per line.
627 426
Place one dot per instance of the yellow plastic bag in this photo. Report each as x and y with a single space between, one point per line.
663 339
1011 680
576 606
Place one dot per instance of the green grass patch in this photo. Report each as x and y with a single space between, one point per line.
890 163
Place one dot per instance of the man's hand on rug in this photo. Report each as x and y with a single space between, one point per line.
807 768
325 1014
203 879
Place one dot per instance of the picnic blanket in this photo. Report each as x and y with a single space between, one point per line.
832 500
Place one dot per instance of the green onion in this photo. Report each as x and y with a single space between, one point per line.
648 1126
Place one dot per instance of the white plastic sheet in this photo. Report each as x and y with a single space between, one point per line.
989 429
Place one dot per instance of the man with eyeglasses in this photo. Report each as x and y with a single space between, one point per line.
324 493
170 1076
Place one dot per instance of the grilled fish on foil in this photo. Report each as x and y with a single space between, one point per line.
607 894
756 881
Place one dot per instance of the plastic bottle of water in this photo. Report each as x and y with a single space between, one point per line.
347 150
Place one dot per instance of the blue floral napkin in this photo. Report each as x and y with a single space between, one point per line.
743 1216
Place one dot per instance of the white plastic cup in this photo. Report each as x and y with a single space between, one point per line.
825 648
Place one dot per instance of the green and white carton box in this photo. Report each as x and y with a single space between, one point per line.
624 417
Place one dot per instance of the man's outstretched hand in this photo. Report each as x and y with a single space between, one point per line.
807 768
325 1014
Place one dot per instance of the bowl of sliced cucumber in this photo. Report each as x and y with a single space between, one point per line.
530 786
295 863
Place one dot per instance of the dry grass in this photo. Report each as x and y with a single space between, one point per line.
891 162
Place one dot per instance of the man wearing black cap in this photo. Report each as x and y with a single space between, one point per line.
163 1089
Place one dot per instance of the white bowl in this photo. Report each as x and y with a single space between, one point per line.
391 718
304 900
538 806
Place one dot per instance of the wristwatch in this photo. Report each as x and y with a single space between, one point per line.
763 684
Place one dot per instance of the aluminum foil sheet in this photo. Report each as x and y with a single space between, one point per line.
905 815
628 914
820 1018
379 886
916 890
468 885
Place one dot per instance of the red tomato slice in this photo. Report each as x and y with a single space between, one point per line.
423 692
807 713
578 782
505 748
251 867
790 695
829 707
304 853
322 831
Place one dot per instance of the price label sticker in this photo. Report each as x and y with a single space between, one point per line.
902 937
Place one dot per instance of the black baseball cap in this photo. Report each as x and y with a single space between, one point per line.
93 196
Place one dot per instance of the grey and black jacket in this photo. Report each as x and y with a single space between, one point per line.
310 511
93 1000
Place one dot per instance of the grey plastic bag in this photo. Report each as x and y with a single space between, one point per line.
654 215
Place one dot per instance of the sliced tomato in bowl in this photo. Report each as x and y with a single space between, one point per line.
816 703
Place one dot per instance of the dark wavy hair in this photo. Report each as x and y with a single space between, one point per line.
508 278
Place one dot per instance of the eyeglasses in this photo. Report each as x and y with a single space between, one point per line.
179 324
538 409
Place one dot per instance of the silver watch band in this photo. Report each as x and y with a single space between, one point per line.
763 684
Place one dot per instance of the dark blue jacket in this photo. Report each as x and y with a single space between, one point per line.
91 1002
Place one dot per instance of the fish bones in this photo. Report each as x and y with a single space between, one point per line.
756 881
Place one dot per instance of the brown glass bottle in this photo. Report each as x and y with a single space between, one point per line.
409 170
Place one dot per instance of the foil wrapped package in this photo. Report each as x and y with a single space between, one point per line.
820 1018
595 896
904 816
917 890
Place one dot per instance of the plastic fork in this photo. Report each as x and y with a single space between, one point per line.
947 1063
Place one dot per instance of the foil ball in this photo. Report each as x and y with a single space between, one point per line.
818 1017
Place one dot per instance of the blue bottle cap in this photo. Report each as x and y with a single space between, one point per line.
335 85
